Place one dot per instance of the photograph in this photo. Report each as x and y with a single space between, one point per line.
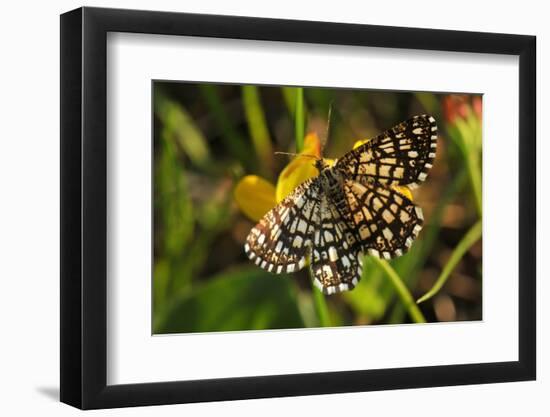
290 207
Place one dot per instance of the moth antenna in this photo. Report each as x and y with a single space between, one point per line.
325 139
296 154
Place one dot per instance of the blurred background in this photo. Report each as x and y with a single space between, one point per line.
208 137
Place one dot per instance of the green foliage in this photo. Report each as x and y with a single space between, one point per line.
248 299
367 299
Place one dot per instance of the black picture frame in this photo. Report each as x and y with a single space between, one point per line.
84 207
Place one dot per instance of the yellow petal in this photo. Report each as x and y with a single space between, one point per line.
254 196
406 191
300 168
359 143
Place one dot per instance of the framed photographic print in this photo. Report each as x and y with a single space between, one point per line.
258 208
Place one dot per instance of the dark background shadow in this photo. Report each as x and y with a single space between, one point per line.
50 392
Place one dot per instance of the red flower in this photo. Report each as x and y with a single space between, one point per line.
460 106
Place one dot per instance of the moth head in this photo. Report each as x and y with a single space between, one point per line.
321 164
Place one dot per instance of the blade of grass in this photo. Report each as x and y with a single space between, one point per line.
402 291
299 131
472 236
234 142
257 126
289 96
421 250
466 137
299 120
179 124
319 301
320 306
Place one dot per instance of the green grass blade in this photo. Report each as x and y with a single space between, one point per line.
472 236
299 120
179 125
402 291
235 142
319 300
410 265
289 96
257 125
466 134
321 307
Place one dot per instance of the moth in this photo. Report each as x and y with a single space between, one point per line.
351 208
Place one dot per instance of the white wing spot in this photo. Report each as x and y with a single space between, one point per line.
373 252
327 271
346 262
302 226
261 239
419 214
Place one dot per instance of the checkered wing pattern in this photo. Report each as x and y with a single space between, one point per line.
281 240
335 264
402 155
386 222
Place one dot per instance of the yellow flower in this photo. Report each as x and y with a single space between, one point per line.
255 196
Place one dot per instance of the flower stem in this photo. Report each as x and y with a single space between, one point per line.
402 291
472 236
320 306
